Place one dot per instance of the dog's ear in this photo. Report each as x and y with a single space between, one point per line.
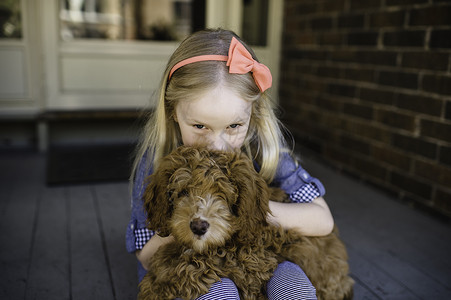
252 206
157 204
158 196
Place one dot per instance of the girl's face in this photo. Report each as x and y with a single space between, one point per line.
219 117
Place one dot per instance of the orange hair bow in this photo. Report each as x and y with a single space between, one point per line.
239 61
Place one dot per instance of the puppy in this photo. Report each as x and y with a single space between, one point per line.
215 205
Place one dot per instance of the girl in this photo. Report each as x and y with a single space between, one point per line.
213 90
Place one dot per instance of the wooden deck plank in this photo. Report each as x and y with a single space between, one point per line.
415 281
17 223
362 292
49 276
364 206
392 236
16 229
381 284
89 269
5 196
395 252
407 245
114 207
432 266
369 208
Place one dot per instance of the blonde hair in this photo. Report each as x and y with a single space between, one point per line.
161 135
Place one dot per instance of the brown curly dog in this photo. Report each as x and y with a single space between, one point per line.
215 205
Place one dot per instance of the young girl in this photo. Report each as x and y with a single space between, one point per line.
214 91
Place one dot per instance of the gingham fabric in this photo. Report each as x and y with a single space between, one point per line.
142 235
307 193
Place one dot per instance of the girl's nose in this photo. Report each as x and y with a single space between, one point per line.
218 143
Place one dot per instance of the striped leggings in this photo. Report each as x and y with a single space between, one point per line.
287 282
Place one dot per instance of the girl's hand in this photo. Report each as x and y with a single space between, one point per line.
145 254
310 219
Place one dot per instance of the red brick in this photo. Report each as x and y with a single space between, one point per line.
405 38
360 74
313 85
437 130
381 112
412 184
330 72
358 110
367 130
321 23
351 21
440 38
305 8
396 119
331 120
414 145
303 54
329 104
420 104
404 2
341 90
331 5
391 156
442 200
448 110
303 69
439 84
426 60
369 167
337 154
433 172
363 38
445 155
359 4
331 38
370 57
399 79
306 38
377 96
387 19
430 16
354 144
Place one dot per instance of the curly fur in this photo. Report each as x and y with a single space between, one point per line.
215 205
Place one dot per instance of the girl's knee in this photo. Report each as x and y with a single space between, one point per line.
224 289
290 282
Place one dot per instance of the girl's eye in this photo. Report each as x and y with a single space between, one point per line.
198 126
233 126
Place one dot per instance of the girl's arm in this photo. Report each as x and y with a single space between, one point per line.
145 254
310 219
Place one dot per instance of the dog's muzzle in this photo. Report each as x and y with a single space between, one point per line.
199 226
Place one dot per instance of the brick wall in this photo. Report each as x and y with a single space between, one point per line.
367 86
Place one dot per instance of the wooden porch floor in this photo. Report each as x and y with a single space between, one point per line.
67 242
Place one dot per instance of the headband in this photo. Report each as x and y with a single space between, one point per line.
239 61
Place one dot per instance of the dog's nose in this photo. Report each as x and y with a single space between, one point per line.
199 227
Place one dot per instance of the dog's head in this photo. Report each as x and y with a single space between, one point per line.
202 197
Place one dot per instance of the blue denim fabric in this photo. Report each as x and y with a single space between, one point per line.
291 177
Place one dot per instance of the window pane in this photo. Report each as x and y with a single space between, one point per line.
255 22
166 20
10 19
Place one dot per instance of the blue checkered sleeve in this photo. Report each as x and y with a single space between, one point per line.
142 236
305 194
